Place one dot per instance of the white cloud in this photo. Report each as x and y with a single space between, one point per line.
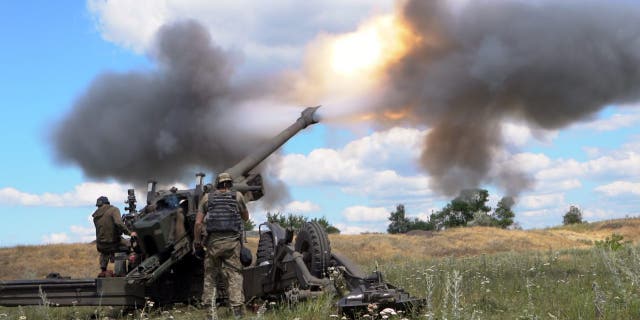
362 213
131 24
516 134
80 230
83 234
56 238
617 188
562 169
616 121
620 163
530 162
600 214
262 30
538 201
364 166
321 165
360 228
84 194
301 207
537 213
396 146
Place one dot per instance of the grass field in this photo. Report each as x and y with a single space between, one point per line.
471 273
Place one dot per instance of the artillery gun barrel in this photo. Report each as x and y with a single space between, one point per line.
242 168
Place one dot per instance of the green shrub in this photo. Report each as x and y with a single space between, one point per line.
612 243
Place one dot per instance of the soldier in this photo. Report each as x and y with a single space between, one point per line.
109 230
222 213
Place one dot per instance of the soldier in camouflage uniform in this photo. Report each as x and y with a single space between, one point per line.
109 230
222 213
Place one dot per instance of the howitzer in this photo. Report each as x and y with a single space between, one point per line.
170 272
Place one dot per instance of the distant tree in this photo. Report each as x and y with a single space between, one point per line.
417 224
399 222
277 217
483 220
295 221
461 210
503 213
327 226
290 220
249 225
574 215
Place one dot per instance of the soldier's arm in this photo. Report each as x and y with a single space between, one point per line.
197 230
117 220
242 205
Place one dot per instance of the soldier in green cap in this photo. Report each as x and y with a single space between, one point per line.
222 213
109 229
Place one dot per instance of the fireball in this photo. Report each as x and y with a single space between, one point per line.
371 48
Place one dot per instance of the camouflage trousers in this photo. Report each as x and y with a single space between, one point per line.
223 259
104 260
106 256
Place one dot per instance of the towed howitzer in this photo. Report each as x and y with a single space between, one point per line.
170 271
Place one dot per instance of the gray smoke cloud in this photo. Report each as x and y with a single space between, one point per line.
551 63
165 123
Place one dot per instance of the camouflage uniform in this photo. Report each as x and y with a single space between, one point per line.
223 258
109 229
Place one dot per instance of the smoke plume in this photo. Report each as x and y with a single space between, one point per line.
163 123
474 65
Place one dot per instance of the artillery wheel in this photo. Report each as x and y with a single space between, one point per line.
312 241
266 248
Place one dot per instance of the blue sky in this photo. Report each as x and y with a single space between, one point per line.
352 173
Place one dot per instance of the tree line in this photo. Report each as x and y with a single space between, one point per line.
468 208
294 221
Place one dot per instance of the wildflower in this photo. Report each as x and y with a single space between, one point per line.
388 311
23 318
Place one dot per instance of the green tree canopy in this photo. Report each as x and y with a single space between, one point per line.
327 226
249 225
461 209
503 213
574 215
295 221
399 222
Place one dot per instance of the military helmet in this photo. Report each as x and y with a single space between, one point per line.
223 177
102 200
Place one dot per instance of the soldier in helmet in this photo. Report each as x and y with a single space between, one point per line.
222 213
109 230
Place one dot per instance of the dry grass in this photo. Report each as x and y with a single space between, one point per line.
81 260
78 260
473 241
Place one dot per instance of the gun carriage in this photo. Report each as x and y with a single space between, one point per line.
169 271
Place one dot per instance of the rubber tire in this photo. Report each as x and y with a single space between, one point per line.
312 241
266 248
